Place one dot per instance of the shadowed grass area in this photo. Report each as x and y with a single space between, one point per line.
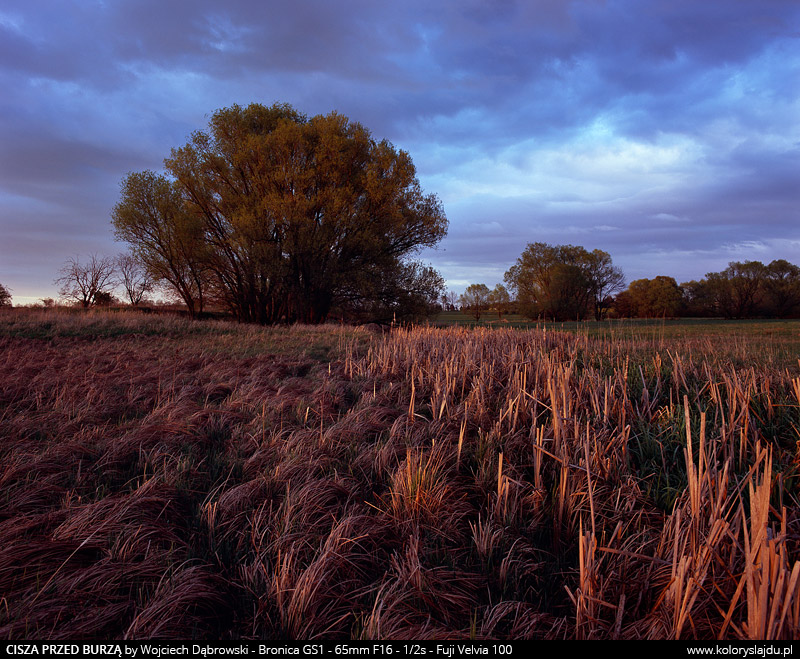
162 478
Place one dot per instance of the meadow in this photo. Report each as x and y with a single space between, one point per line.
163 478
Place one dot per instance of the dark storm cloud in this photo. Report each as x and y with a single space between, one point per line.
655 130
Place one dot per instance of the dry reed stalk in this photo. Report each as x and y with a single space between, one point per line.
586 599
461 437
538 456
502 489
589 478
420 491
771 582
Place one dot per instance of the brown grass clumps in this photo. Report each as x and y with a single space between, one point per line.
175 480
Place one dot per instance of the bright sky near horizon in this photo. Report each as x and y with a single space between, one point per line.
665 132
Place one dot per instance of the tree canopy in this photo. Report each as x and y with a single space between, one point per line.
563 281
749 288
499 299
745 289
651 298
164 235
283 217
475 299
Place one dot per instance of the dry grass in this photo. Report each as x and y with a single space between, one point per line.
166 479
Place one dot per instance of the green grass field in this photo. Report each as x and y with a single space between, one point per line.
638 326
750 341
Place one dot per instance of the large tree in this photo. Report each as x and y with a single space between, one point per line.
294 213
651 298
475 299
737 290
563 281
605 279
499 300
782 288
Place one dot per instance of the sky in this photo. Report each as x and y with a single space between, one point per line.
665 132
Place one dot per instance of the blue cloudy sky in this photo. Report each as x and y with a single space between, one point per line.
666 132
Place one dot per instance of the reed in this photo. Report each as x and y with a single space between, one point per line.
163 478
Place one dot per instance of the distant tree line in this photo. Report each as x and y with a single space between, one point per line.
92 282
478 299
745 289
548 282
567 282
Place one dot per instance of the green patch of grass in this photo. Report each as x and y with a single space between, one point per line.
461 319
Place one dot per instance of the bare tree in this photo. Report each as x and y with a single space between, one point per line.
82 282
134 278
450 301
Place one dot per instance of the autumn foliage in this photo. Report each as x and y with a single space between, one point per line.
281 217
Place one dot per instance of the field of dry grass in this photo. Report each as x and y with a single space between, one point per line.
167 479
